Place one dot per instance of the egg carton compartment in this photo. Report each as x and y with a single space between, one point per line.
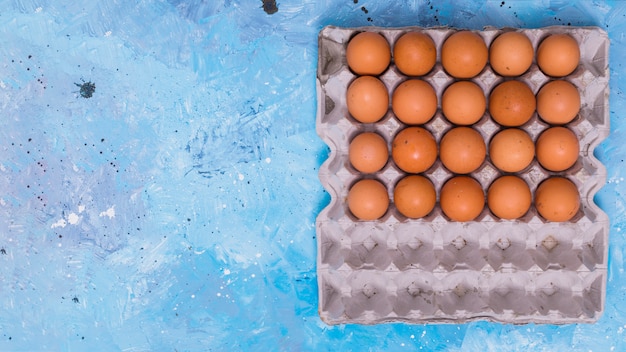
447 246
436 270
422 296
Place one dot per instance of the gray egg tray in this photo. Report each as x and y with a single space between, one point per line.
434 270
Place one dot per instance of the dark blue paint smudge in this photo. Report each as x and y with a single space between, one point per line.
270 7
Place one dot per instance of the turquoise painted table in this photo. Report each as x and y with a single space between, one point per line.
158 176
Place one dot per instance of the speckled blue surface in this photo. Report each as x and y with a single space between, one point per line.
174 209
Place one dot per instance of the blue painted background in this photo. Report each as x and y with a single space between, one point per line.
174 210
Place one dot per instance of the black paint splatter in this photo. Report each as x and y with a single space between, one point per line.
270 7
365 11
86 89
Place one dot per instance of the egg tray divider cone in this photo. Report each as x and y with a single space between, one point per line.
434 270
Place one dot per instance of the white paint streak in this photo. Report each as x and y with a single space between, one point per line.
268 160
241 177
60 223
73 218
109 212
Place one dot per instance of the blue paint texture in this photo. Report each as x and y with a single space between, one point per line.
174 209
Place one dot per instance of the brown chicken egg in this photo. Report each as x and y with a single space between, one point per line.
414 102
509 197
557 199
557 148
414 150
462 198
414 196
558 102
368 152
463 103
414 53
367 99
464 54
462 150
368 199
368 53
511 54
511 150
558 55
512 103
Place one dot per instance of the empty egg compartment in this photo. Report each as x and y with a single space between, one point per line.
515 254
417 296
442 245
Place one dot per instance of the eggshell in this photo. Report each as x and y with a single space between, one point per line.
414 196
463 103
558 55
557 148
558 102
368 152
462 198
511 54
512 103
509 197
511 150
367 99
462 150
464 54
414 53
414 149
557 199
368 199
368 53
414 102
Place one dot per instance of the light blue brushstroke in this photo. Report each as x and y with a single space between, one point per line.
201 136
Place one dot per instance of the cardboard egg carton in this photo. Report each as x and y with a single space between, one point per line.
432 269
